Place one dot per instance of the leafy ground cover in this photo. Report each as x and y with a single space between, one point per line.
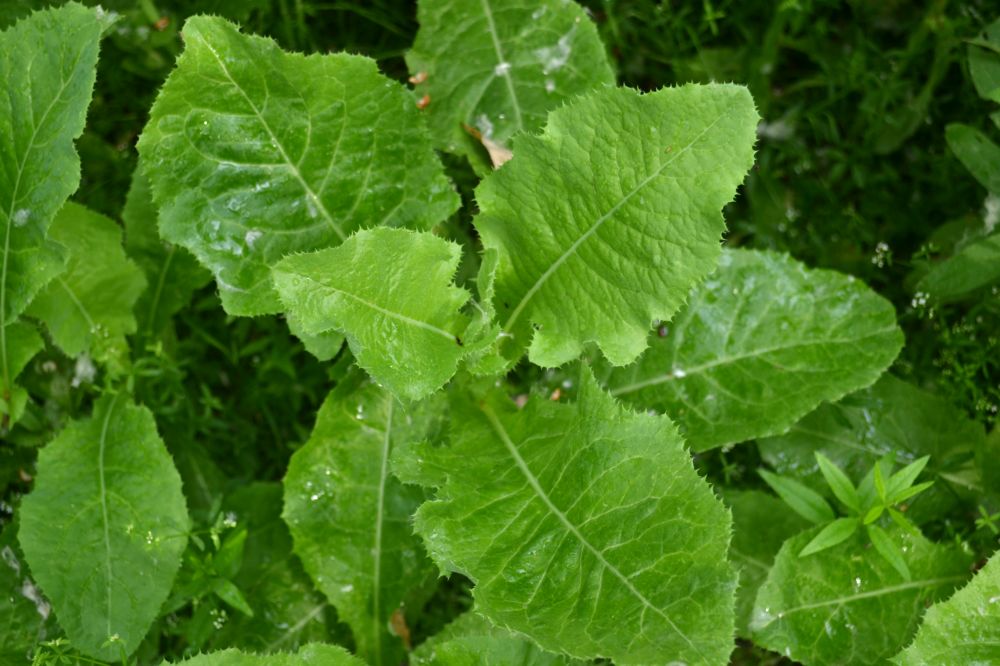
467 332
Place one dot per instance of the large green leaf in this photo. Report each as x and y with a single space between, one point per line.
597 238
391 292
105 526
963 630
172 273
847 604
975 266
500 67
254 153
47 66
310 655
584 527
760 344
89 307
472 641
761 524
25 615
350 518
977 152
892 417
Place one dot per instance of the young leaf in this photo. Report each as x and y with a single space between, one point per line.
847 600
518 62
89 307
281 153
760 344
904 495
313 654
105 526
974 266
22 342
350 519
391 292
47 66
806 502
839 483
880 483
597 238
905 477
965 629
873 514
581 510
888 549
836 532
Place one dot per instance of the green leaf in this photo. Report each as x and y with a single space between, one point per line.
873 514
760 344
904 478
517 62
47 66
21 342
172 273
880 484
598 238
977 153
105 526
472 641
25 615
984 63
761 523
281 153
975 266
350 519
839 483
313 654
965 629
581 510
89 307
390 291
836 532
888 549
804 501
848 600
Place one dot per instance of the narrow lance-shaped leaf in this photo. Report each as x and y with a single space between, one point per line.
310 655
597 238
758 346
89 307
47 68
802 500
390 291
104 527
965 629
581 510
519 60
350 518
254 153
848 601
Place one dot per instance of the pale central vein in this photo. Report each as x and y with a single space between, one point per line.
377 550
154 303
571 250
78 303
104 504
389 313
502 62
292 168
570 527
295 628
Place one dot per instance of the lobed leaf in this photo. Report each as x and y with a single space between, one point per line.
760 344
104 527
254 154
580 510
597 238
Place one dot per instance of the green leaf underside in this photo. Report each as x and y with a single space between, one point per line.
350 518
963 630
172 273
47 64
979 154
309 655
890 417
975 266
761 523
519 60
390 292
580 510
472 641
288 612
847 604
104 528
760 344
89 307
25 616
254 153
597 238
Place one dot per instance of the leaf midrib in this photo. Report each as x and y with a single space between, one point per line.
501 60
104 506
377 550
